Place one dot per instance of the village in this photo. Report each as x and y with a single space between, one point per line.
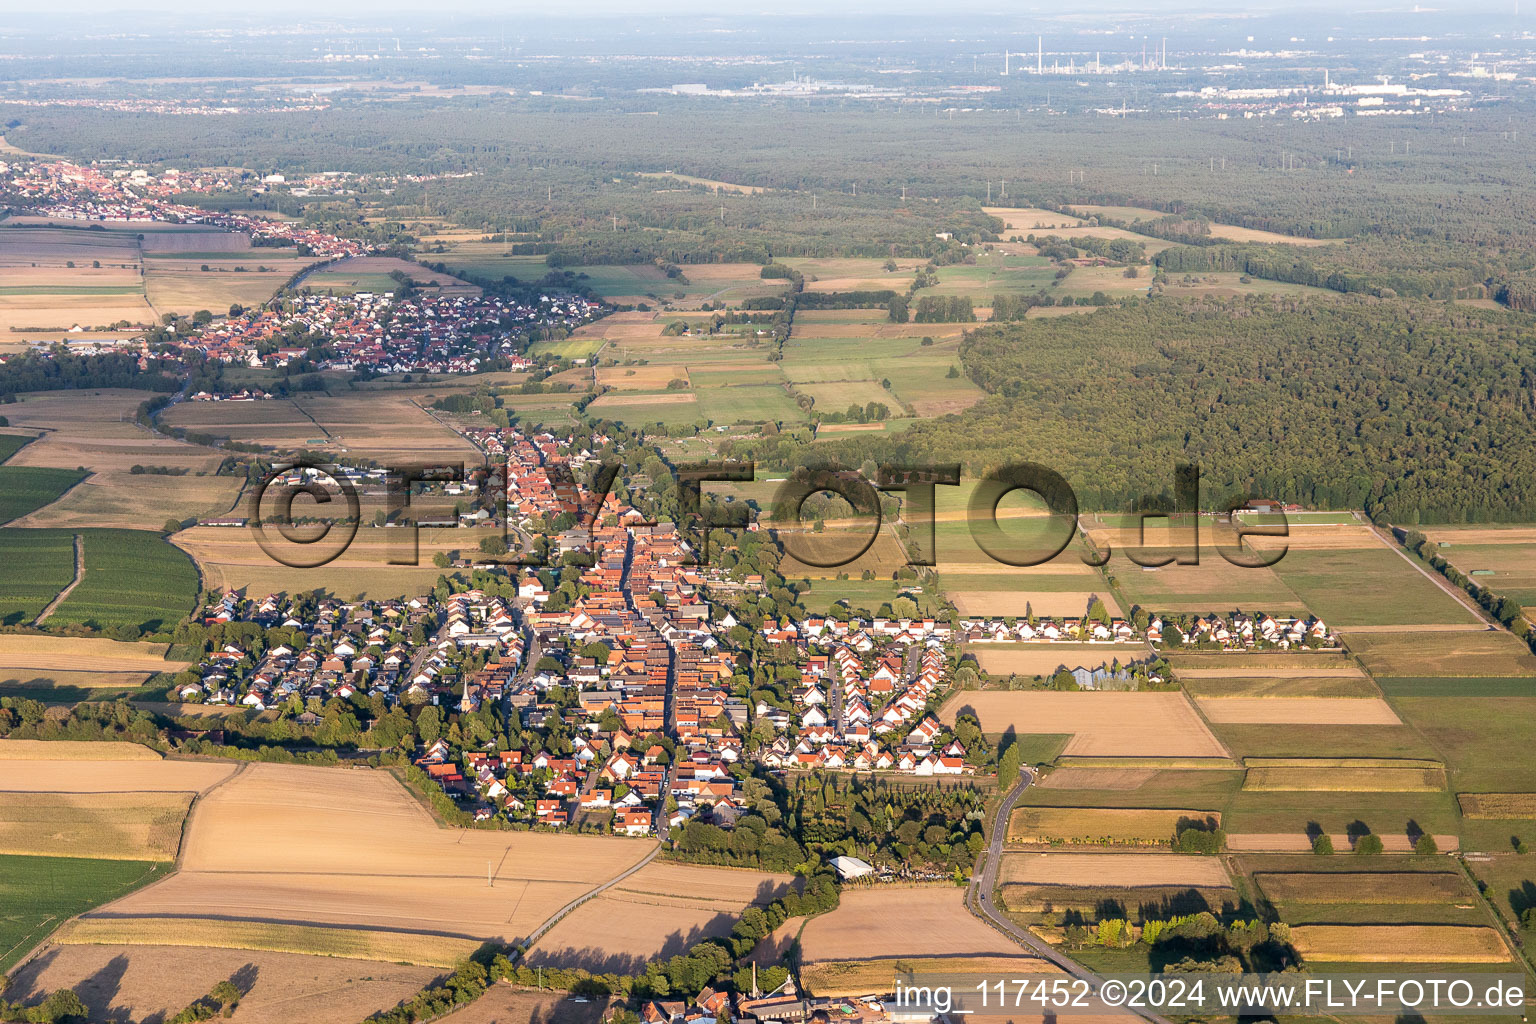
384 333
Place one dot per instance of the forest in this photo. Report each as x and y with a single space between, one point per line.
1419 412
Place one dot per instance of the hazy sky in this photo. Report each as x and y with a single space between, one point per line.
203 10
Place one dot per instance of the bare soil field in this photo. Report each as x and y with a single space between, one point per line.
366 269
156 982
1299 711
1133 825
1042 659
1477 653
1389 887
1417 943
1016 602
662 398
890 921
1102 724
73 774
352 848
139 826
878 977
663 909
1497 805
1113 869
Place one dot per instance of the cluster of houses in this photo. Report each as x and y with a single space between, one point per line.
75 192
382 333
1235 630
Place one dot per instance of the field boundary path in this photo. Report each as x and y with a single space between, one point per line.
978 898
58 598
555 918
1386 537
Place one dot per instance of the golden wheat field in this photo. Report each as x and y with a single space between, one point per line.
112 826
1133 825
75 653
1345 780
1408 943
1101 724
44 751
888 921
663 909
1126 870
148 983
1388 887
1497 805
352 848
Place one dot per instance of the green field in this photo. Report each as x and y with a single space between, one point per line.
10 444
570 348
749 403
66 289
1383 813
38 564
1453 686
1366 587
37 894
132 578
1485 743
25 489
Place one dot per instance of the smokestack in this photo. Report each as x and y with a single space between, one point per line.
1039 55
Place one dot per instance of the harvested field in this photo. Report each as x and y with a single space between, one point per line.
1390 887
30 651
1102 724
1128 825
503 1004
139 826
1419 943
1299 711
95 429
1142 903
1335 685
933 923
1345 780
1126 870
640 378
661 398
423 948
345 849
663 909
878 976
1301 842
71 750
1472 654
1042 659
1497 805
1119 779
1028 219
157 982
73 774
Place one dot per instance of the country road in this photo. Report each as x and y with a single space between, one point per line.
1456 593
979 898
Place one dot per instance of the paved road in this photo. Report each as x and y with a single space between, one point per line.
979 898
